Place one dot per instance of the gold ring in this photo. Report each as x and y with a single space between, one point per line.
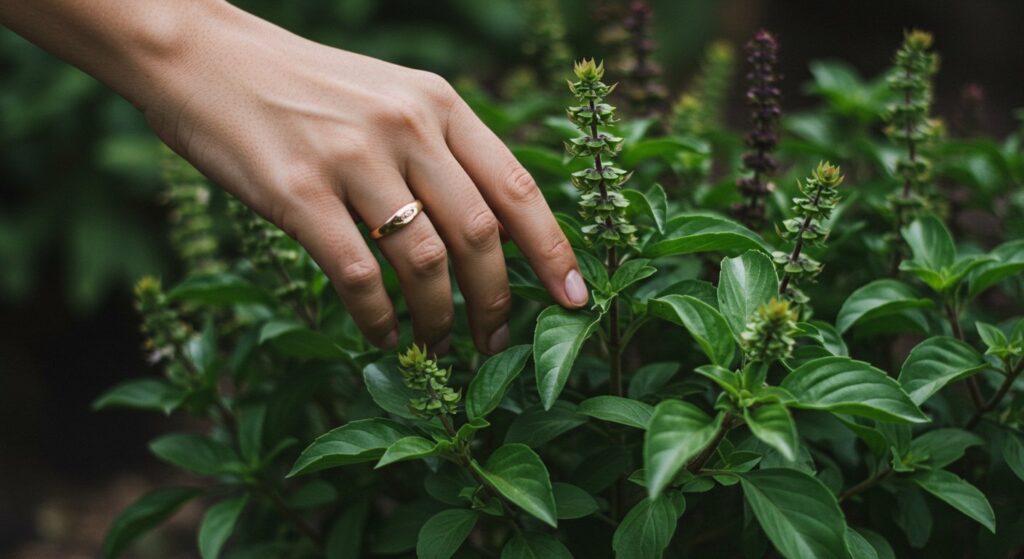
398 220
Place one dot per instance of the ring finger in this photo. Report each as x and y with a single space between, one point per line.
418 256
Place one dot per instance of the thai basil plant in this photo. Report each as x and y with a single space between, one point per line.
843 381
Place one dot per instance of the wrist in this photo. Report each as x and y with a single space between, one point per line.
164 50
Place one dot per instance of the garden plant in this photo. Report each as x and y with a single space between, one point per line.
799 342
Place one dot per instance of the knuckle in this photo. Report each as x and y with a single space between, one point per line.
403 115
299 194
519 185
353 150
499 304
428 257
437 88
481 230
443 322
358 277
379 324
557 247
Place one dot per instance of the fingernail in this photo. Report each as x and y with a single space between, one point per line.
391 340
498 340
441 347
575 289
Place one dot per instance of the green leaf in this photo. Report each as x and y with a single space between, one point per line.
689 234
345 538
570 226
700 289
745 283
931 243
251 419
144 515
409 448
314 494
617 410
676 433
842 385
488 386
218 289
536 426
935 363
593 270
913 516
649 378
398 532
797 512
773 424
573 502
667 146
730 381
196 453
860 548
826 335
653 203
534 545
705 324
1007 260
631 272
359 441
993 338
941 447
879 298
218 524
442 535
556 342
646 530
1013 453
959 494
294 340
142 394
881 547
518 474
384 382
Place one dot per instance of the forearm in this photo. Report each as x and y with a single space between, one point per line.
132 46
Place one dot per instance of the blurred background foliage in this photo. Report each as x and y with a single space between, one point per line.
80 218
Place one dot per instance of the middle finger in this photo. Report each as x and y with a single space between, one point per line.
418 256
471 231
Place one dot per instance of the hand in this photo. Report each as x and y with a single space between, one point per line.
316 139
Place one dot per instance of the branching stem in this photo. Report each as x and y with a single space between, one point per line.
697 463
1001 392
868 483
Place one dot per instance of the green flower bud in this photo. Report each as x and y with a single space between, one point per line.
421 372
771 333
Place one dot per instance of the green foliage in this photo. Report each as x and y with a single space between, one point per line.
712 400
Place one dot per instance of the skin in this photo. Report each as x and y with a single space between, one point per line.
316 140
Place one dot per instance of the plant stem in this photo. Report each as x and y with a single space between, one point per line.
799 245
868 483
697 463
1004 389
972 383
445 420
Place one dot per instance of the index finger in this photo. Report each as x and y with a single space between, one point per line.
513 195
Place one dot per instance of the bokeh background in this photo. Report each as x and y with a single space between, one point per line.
80 218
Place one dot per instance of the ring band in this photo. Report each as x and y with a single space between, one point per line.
398 220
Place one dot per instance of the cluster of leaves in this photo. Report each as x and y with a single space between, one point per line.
695 409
